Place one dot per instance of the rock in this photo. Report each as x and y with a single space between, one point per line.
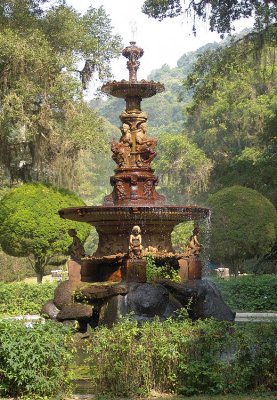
50 310
114 309
99 291
70 323
76 311
148 300
63 294
203 298
144 301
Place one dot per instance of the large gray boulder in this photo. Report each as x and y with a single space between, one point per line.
144 302
202 298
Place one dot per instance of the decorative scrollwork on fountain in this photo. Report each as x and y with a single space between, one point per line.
120 190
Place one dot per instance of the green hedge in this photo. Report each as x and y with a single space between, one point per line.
23 298
250 293
34 359
183 357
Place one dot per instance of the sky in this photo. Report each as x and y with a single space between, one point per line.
163 42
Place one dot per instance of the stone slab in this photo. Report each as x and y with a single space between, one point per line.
134 271
183 269
74 270
195 268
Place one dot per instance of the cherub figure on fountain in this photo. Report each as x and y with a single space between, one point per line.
194 247
135 243
121 151
145 145
76 249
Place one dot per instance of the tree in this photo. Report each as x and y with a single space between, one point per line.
49 54
220 14
31 227
243 226
233 113
182 167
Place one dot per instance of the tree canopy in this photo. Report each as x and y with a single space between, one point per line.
243 225
182 167
49 54
232 116
31 227
220 14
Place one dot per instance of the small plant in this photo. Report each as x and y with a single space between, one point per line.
154 272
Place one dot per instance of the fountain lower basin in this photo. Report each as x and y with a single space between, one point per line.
114 224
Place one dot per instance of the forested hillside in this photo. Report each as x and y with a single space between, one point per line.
165 111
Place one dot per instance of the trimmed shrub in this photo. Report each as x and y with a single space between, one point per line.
243 226
34 359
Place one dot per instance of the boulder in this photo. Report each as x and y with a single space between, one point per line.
64 293
203 298
144 302
50 310
93 291
76 311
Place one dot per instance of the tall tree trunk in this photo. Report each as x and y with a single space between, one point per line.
39 277
39 268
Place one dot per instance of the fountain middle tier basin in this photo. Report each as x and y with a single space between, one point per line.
124 89
114 224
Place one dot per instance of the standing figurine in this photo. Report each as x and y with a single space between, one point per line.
76 249
135 246
194 247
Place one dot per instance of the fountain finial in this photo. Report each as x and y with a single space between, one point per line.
133 53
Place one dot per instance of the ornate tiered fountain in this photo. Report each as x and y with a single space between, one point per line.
134 199
113 280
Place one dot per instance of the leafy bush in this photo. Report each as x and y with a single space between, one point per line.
154 272
182 357
22 298
14 268
30 224
250 293
34 359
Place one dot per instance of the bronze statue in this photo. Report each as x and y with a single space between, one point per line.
145 145
135 243
194 247
76 249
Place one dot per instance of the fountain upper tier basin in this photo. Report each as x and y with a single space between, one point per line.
98 214
124 89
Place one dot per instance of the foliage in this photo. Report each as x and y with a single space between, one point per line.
14 268
250 293
34 359
154 272
44 120
165 111
182 357
220 15
182 167
19 298
180 235
243 225
233 113
30 224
